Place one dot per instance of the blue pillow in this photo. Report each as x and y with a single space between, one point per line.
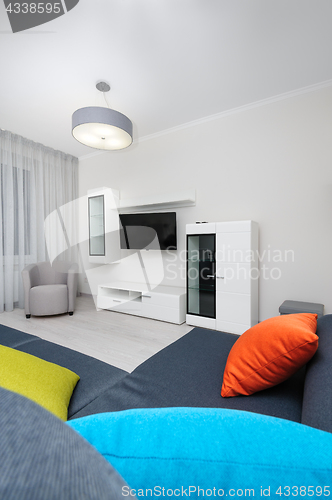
202 452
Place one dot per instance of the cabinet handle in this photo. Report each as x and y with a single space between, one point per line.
210 276
147 296
220 277
116 300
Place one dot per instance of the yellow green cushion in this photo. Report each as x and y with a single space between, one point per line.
47 384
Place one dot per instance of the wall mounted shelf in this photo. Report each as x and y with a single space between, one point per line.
167 201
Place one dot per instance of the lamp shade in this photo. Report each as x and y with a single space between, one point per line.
102 128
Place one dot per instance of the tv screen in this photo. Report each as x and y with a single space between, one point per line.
153 231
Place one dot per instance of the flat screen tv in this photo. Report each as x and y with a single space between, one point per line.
152 231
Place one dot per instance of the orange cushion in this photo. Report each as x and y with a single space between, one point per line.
269 353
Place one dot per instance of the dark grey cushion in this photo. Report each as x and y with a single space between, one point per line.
317 396
189 372
43 458
95 376
296 307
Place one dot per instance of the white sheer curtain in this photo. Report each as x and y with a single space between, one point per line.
34 181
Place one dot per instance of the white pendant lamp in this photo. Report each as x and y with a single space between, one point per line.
102 128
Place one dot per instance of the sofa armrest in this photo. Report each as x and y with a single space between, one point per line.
30 278
72 280
317 401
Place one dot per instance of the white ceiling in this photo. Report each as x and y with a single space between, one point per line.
169 62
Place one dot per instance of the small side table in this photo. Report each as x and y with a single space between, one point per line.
295 307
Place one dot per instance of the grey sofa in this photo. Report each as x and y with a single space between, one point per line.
188 373
43 458
49 288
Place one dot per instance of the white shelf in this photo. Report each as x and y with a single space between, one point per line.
164 303
159 201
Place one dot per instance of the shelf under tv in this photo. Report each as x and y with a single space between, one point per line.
161 302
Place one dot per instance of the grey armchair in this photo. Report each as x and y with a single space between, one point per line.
49 288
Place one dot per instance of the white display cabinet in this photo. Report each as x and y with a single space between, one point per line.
222 275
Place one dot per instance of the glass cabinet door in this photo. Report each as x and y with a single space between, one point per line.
96 225
201 296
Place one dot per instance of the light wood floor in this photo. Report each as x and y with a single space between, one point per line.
118 339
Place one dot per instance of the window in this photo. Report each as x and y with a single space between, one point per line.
15 210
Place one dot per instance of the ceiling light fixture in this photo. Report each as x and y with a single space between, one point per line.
102 128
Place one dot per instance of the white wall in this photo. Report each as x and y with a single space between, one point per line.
271 164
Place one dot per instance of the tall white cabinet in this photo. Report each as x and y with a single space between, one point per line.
222 275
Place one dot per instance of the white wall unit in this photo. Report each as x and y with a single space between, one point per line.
164 303
256 168
233 285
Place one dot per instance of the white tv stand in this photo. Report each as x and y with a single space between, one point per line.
165 303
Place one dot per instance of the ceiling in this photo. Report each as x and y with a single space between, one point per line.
168 62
